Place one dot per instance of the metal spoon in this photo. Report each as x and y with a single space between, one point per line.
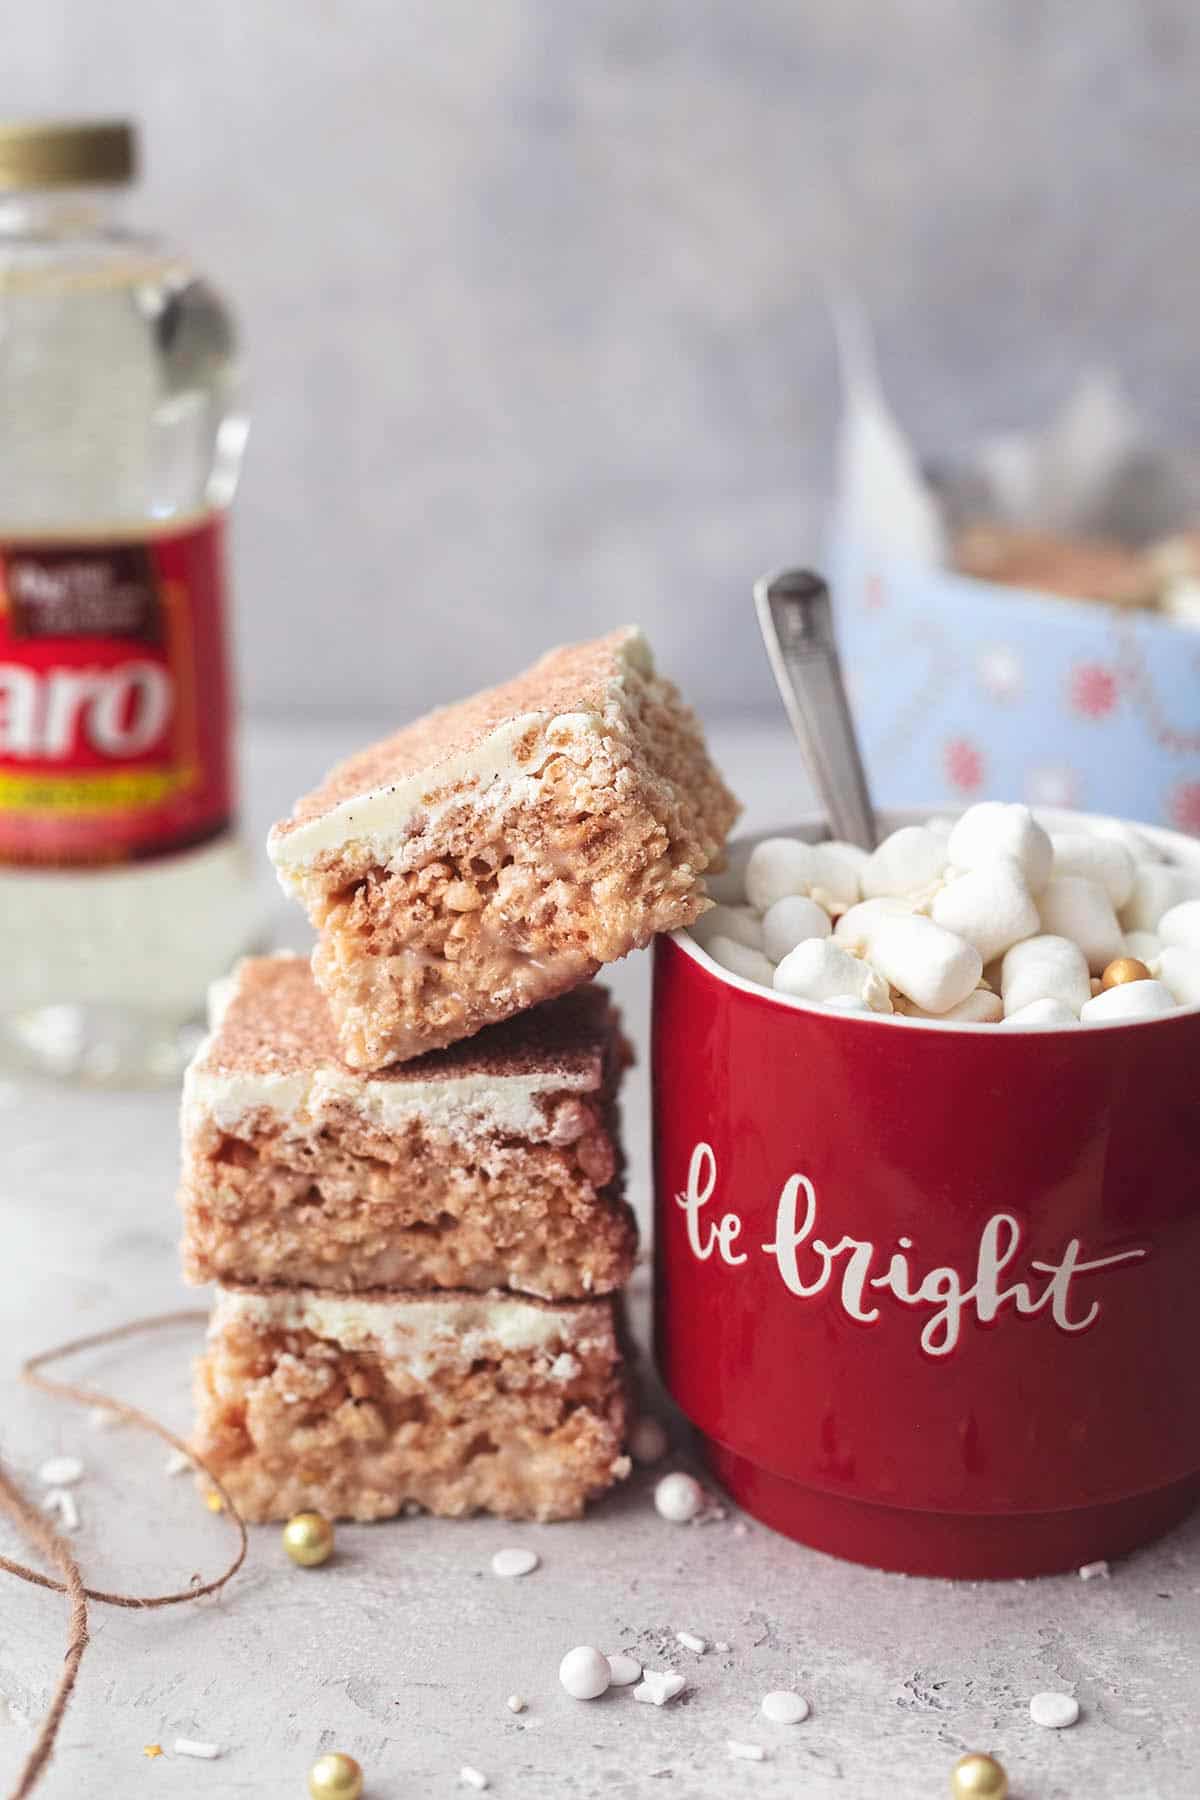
796 620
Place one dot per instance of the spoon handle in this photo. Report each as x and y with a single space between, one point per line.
796 620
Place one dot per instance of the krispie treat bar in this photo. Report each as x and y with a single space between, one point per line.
498 851
493 1164
459 1403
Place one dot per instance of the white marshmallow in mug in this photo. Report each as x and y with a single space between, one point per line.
1047 1012
991 906
741 923
1045 968
839 873
1104 860
819 969
993 828
1179 972
1128 1000
1179 928
980 1008
1145 945
778 867
855 927
751 965
928 964
1157 889
1140 847
907 862
1074 907
789 922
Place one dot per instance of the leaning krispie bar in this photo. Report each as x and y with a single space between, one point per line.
457 1402
498 851
493 1164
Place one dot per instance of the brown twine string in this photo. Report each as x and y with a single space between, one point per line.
43 1537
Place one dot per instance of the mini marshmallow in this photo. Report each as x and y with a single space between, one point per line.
1157 889
907 862
1129 1000
941 826
778 867
789 922
741 923
1104 860
840 868
927 963
991 906
1045 968
1049 1012
1179 971
751 965
1074 907
1180 927
980 1008
992 829
853 930
821 970
1145 945
1139 847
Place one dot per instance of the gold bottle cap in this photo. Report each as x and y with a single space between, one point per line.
46 153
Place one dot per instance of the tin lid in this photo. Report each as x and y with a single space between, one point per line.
42 153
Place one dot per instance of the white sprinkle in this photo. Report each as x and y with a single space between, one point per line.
678 1497
60 1471
690 1641
625 1669
740 1528
178 1463
585 1673
103 1418
474 1778
747 1752
1054 1710
648 1442
62 1502
510 1563
189 1747
515 1703
1090 1570
784 1708
721 1646
656 1687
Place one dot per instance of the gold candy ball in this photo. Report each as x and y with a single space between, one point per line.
335 1776
1122 969
978 1777
308 1540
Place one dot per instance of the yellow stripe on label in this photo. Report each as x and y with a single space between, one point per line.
99 790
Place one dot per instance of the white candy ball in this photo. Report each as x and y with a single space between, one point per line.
751 965
1073 907
993 829
1180 926
819 969
585 1673
991 906
930 965
784 1708
1179 971
789 922
678 1497
1104 860
777 867
1129 1000
907 862
853 930
1157 889
1054 1711
1042 1012
1045 968
741 923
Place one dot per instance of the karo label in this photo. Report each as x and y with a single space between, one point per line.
114 698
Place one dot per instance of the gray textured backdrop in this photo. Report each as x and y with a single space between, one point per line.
531 288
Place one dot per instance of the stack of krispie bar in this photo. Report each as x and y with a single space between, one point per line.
402 1166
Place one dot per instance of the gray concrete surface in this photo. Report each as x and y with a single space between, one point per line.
404 1650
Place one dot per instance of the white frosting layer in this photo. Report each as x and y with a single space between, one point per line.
428 1332
381 815
465 1105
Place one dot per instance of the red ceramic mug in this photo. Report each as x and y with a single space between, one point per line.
930 1295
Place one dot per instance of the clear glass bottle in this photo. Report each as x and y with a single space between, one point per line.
123 887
